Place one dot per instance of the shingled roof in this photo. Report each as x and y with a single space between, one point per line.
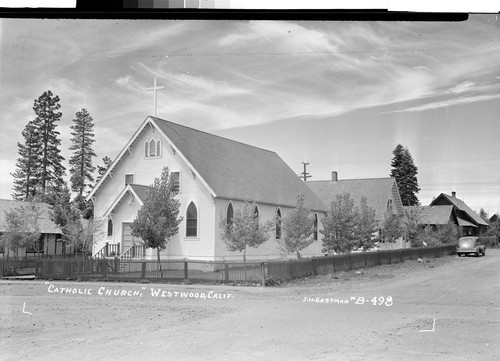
235 170
434 214
462 206
45 224
231 170
376 190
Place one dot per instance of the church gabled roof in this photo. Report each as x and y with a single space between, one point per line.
230 169
235 170
376 190
138 192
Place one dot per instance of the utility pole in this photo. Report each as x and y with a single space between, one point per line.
304 174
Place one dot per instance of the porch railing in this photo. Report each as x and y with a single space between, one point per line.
109 250
136 251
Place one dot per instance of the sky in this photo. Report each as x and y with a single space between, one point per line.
339 95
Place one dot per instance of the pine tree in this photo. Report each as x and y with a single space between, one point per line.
28 164
405 172
102 169
339 225
297 228
366 225
51 168
81 144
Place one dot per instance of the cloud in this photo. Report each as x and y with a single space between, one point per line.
449 102
462 87
273 36
147 35
198 87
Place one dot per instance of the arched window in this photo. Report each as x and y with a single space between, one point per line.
256 215
158 148
110 227
152 148
315 227
278 224
229 214
191 221
146 149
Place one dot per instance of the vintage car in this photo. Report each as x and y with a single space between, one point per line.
470 245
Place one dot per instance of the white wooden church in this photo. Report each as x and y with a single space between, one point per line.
214 176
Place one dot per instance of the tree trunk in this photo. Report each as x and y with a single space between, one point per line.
298 254
159 263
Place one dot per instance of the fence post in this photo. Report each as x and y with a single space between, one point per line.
186 270
143 270
263 273
378 254
226 271
36 268
106 252
104 265
116 265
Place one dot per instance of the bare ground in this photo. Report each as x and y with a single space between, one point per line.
440 309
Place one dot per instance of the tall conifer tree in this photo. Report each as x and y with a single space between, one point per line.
80 162
28 164
47 115
405 172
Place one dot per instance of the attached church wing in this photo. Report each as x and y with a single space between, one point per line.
377 191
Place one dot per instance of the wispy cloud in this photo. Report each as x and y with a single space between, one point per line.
448 103
462 87
274 36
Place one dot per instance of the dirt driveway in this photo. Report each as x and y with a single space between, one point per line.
441 309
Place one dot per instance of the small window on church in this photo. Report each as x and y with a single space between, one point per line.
158 148
146 149
175 181
152 148
129 179
315 227
256 215
389 205
230 214
110 227
191 221
278 224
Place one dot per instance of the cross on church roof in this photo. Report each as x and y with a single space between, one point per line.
155 89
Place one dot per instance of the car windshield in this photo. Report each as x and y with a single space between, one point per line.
468 242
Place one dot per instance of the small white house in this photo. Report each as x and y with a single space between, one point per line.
214 175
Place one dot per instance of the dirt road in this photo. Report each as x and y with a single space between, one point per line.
441 309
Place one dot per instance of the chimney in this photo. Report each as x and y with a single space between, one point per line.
454 194
335 176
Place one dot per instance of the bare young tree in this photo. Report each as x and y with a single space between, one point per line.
244 230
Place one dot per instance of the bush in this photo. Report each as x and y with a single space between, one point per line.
490 241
